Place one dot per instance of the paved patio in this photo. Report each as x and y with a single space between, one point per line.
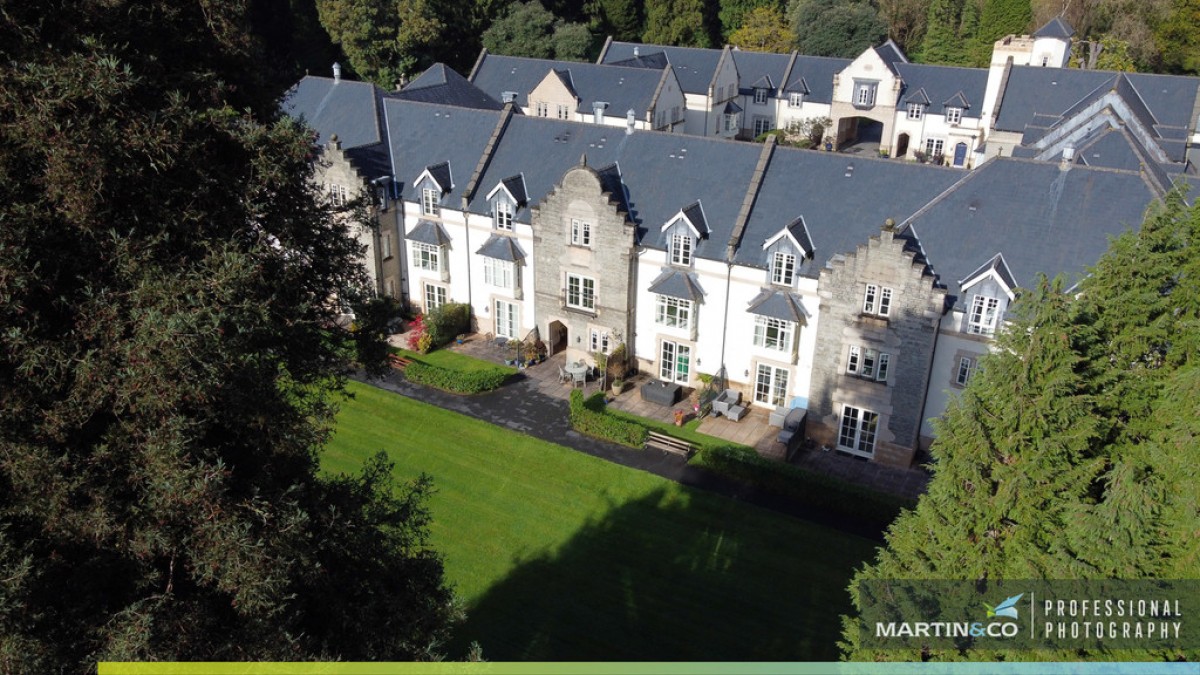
752 430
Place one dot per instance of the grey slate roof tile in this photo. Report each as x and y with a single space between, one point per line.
347 108
944 84
778 304
693 66
622 88
441 84
1055 28
501 247
426 134
817 73
678 284
428 232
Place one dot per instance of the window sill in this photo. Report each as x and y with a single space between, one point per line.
875 320
590 313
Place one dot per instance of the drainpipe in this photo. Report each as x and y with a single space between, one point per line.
725 323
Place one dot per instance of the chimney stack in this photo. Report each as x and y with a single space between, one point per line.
630 120
635 51
1068 158
337 72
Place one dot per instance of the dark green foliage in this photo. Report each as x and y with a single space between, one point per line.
805 487
765 30
949 32
448 322
589 417
1178 37
733 13
676 22
1071 454
456 381
167 362
999 18
835 27
528 29
293 40
622 19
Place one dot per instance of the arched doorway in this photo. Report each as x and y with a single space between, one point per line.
902 145
557 335
857 135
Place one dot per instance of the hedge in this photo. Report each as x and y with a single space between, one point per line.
803 486
589 417
456 381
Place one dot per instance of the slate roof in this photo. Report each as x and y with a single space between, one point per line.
1055 28
440 173
763 69
656 61
677 284
891 55
501 247
817 72
428 232
1041 218
347 108
778 304
427 134
945 85
840 212
1110 148
695 213
998 265
693 66
622 88
441 84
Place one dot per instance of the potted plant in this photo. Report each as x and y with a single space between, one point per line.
679 418
531 352
618 385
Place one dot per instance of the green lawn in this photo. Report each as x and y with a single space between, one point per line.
452 360
561 556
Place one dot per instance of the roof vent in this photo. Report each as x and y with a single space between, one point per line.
1068 158
508 96
635 51
337 72
630 120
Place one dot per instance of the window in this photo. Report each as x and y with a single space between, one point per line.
966 366
581 232
681 249
731 122
795 100
435 296
772 333
564 112
933 146
760 96
761 126
877 300
675 362
385 246
426 256
674 113
673 312
429 202
771 385
857 434
599 342
868 363
953 115
581 292
916 111
498 273
339 196
1045 60
540 109
984 313
506 319
783 268
864 94
502 215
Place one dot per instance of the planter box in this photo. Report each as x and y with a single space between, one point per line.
662 393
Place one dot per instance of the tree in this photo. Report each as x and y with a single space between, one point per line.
942 44
169 360
835 27
765 30
1105 53
732 14
1178 37
1000 18
622 19
528 29
905 20
676 22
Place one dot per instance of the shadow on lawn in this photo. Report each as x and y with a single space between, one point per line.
666 577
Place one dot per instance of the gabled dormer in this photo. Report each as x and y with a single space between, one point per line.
785 250
555 96
432 186
916 104
985 296
505 200
683 232
762 90
954 107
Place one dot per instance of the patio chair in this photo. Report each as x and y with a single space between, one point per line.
579 378
725 401
563 375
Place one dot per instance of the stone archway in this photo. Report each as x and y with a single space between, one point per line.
557 337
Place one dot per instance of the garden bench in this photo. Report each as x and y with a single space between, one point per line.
398 362
669 444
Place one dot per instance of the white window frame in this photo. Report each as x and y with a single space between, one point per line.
429 202
673 312
674 362
435 296
877 300
599 341
760 95
953 115
984 315
506 318
502 215
681 249
540 109
916 111
934 146
864 94
868 363
761 125
581 232
581 292
339 195
966 368
858 431
771 385
774 334
385 246
426 256
564 112
783 268
731 121
499 273
795 100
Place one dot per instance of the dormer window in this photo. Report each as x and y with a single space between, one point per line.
760 96
681 249
953 115
916 111
502 215
795 100
985 313
783 268
429 202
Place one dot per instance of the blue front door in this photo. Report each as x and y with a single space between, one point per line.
960 154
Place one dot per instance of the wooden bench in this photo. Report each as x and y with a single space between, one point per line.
398 362
669 444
